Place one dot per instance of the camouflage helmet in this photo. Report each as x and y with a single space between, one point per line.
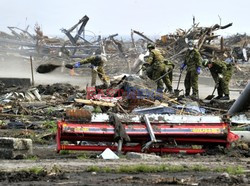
98 58
205 62
150 46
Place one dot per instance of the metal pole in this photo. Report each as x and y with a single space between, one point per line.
119 148
150 129
242 102
32 74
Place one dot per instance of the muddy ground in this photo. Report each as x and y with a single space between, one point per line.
86 178
74 168
68 169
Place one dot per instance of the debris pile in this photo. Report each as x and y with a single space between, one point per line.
124 115
128 95
205 38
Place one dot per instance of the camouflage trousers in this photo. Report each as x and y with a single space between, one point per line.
158 70
101 74
191 81
221 85
170 73
227 77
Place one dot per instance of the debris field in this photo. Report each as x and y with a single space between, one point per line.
57 128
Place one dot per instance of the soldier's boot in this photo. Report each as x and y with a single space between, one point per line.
194 96
170 89
160 86
106 82
160 90
187 94
218 97
226 97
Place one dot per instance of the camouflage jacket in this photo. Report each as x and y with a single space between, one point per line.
219 67
169 63
94 60
230 64
192 60
154 56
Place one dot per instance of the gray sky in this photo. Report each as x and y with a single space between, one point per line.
120 16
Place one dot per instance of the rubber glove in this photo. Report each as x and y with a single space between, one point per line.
198 70
77 64
220 76
183 65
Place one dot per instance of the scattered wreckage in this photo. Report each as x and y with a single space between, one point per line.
132 117
144 121
148 132
145 133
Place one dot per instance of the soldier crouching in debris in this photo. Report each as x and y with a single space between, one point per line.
193 63
97 63
156 69
219 73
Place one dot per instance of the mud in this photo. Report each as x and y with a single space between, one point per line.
73 169
74 172
88 178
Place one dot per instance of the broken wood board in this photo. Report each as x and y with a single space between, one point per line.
92 102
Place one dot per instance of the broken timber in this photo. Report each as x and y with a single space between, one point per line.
143 36
92 102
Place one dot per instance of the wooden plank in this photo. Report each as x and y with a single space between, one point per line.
92 102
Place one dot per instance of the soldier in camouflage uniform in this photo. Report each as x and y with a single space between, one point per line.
220 75
156 68
169 70
97 63
230 63
169 77
193 63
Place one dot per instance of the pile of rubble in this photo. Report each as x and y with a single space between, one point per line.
128 94
122 55
205 38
